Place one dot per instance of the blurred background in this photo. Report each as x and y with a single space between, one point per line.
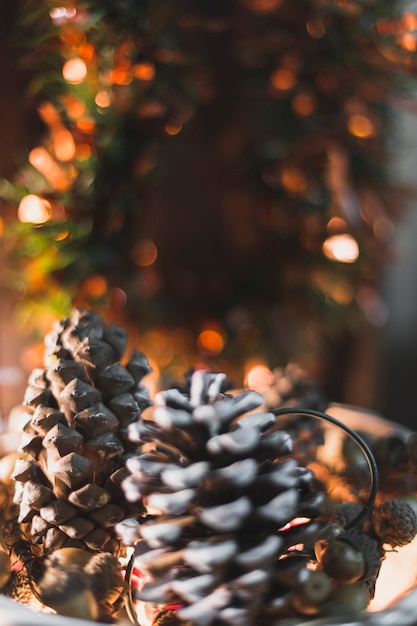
233 181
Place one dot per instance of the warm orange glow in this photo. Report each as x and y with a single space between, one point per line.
210 340
410 21
361 126
304 104
64 145
144 253
1 227
283 79
75 108
408 41
153 108
62 236
336 224
315 29
49 114
259 378
103 99
87 51
42 161
263 6
74 71
144 71
83 151
172 128
343 248
293 181
86 124
34 209
121 76
95 286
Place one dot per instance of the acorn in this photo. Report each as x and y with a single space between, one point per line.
309 595
68 591
351 557
394 522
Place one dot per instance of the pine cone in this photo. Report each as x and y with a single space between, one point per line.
220 488
78 409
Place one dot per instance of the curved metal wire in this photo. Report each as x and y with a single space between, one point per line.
373 469
130 610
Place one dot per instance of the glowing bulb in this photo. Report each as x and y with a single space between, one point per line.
34 209
74 71
343 248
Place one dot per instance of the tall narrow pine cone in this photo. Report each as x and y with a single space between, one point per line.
220 486
78 408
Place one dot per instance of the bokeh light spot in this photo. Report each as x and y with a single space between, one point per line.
211 341
283 79
74 71
144 253
343 248
34 210
361 126
259 378
64 145
144 71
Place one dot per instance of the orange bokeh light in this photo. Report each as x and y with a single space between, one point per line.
304 104
95 286
75 108
83 151
41 160
144 71
210 340
283 79
103 99
144 253
74 71
259 378
343 248
293 181
64 145
361 126
315 29
172 128
34 210
121 76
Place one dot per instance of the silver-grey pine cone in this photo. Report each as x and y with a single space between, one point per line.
78 408
220 486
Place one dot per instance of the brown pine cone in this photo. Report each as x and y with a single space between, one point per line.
78 408
220 488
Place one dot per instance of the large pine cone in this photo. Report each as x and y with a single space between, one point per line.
220 486
78 408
